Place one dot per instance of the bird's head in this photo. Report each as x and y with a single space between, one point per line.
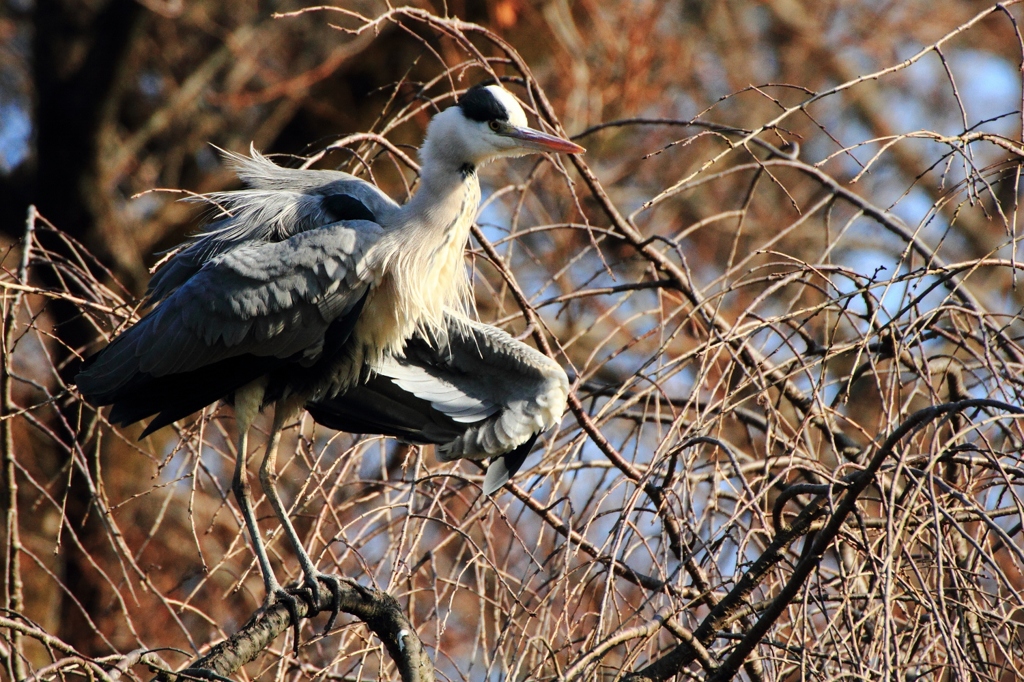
488 123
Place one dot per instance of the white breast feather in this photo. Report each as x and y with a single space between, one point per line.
422 275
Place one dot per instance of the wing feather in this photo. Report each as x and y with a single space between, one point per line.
527 389
492 394
434 386
263 299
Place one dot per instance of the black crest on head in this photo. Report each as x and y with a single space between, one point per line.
478 104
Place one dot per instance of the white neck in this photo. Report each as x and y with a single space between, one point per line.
420 256
441 184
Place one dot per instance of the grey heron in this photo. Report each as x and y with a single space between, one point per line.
317 290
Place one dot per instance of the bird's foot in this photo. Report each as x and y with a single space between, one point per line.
311 586
200 674
279 595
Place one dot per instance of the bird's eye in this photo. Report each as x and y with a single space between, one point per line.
494 125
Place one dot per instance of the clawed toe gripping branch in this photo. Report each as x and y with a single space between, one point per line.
377 609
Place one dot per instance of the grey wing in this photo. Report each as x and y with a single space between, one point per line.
273 300
279 203
478 393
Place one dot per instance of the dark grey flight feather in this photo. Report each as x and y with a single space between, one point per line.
501 470
477 394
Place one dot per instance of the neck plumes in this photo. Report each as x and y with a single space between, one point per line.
420 258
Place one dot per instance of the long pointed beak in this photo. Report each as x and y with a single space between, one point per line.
542 142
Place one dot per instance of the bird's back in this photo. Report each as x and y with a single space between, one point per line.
277 283
278 203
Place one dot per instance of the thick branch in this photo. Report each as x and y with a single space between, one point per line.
376 608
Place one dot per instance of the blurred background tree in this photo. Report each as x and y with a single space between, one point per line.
793 236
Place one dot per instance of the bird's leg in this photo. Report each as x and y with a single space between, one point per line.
247 406
243 494
286 410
